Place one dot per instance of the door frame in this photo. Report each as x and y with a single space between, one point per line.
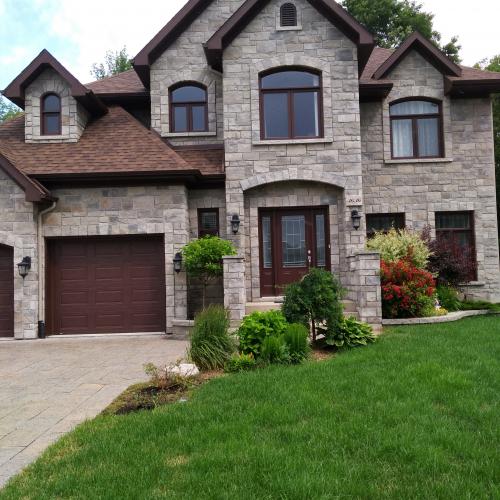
274 211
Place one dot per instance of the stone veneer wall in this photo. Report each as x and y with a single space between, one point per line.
464 180
74 117
129 210
18 230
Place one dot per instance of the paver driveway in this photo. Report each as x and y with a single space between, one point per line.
49 386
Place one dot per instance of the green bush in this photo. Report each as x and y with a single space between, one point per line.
258 326
398 244
351 333
240 363
211 345
474 305
448 298
274 351
315 300
297 339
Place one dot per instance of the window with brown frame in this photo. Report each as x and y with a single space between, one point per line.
291 105
188 108
51 114
208 222
384 222
416 129
457 230
288 15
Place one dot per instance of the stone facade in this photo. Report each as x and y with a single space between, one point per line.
74 117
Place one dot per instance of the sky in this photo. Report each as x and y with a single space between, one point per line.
79 33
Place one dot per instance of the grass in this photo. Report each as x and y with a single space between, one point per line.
415 415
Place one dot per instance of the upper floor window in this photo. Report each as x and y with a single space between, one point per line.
291 106
416 130
208 222
188 108
288 15
51 114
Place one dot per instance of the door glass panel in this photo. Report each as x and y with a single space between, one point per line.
293 240
267 247
320 241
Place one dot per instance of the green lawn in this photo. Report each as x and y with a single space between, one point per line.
415 415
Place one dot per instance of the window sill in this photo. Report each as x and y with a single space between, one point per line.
474 283
418 160
278 142
289 28
190 134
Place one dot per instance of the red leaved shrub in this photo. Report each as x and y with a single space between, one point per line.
406 290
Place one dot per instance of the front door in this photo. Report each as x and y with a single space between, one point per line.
291 242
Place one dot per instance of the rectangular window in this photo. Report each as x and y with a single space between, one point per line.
457 230
208 222
384 222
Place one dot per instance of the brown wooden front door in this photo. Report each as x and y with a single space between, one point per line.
6 291
112 284
292 241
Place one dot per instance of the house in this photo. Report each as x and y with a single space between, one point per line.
276 124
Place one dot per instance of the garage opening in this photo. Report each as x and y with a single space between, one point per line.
6 291
110 284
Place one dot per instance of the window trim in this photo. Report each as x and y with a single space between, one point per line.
414 125
394 215
44 113
189 106
290 92
287 5
201 211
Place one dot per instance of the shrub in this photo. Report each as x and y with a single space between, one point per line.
258 326
398 244
351 333
274 350
211 345
203 258
297 339
314 300
474 305
448 298
240 363
406 290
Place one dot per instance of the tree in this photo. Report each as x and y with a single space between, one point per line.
8 110
392 21
115 62
494 65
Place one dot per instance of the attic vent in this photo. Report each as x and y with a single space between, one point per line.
288 15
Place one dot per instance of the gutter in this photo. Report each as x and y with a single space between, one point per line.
41 270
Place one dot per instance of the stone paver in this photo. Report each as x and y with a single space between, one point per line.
49 386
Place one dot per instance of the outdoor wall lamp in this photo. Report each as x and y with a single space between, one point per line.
356 219
235 223
178 262
24 267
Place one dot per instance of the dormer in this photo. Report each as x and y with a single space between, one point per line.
57 106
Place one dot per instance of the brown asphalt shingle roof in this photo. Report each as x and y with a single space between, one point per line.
124 83
210 159
114 143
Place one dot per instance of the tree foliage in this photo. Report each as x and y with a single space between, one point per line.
392 21
8 110
115 62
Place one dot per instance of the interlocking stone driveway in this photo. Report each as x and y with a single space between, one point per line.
49 386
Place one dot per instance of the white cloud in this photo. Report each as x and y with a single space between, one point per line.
13 55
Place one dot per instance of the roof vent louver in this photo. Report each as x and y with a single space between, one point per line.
288 15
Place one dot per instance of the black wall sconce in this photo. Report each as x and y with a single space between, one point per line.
356 219
178 262
24 267
235 223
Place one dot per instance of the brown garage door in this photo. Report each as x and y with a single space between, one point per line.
106 285
6 291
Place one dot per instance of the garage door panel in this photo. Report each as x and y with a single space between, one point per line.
117 285
6 291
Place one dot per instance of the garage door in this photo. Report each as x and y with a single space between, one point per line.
106 285
6 291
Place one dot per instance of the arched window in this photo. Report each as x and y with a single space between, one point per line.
291 106
51 114
416 130
288 15
188 108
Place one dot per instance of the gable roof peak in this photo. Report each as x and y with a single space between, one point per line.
417 41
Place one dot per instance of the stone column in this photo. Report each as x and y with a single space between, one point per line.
234 289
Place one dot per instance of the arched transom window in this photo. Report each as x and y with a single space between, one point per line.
416 129
288 15
291 105
51 114
188 108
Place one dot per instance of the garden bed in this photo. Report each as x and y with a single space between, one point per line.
452 316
